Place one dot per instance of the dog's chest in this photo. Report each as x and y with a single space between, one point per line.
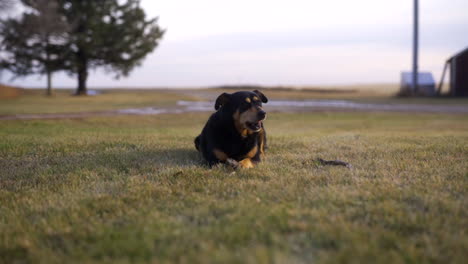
243 148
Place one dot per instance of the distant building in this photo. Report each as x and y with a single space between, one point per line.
426 84
458 74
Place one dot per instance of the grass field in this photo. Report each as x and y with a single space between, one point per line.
132 189
36 102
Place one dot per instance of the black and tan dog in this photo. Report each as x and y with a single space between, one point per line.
235 134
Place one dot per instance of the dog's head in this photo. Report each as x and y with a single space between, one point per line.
245 108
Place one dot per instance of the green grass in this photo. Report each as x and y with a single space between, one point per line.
132 189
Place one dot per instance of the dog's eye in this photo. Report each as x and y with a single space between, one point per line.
244 106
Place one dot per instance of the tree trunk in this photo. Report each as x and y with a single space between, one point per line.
82 73
49 83
48 66
82 77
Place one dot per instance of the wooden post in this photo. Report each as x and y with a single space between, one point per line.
415 48
439 89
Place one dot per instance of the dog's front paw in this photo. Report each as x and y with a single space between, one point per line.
246 163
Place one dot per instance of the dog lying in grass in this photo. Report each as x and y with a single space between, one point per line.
235 133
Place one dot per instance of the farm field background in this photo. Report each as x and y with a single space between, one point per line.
133 188
19 101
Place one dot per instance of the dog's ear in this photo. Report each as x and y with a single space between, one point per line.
223 99
262 96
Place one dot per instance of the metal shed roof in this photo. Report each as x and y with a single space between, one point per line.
424 78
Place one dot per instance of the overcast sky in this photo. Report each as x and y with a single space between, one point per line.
289 42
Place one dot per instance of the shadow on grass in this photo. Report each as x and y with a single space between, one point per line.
107 164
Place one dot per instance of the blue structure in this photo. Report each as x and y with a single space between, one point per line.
425 84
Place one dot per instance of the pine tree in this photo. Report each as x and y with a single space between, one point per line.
34 43
107 34
112 34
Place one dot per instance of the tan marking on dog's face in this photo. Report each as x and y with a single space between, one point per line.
246 163
220 155
248 116
239 123
247 113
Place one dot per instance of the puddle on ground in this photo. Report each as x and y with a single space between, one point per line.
273 105
142 111
296 105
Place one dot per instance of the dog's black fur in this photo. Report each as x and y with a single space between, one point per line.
235 133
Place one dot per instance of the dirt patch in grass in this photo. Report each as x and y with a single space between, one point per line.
8 92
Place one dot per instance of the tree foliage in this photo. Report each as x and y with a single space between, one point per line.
112 34
108 34
6 6
34 43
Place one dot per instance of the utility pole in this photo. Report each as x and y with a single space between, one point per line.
415 48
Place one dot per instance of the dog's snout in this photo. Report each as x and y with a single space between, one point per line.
261 114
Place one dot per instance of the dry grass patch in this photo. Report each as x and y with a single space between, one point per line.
63 101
